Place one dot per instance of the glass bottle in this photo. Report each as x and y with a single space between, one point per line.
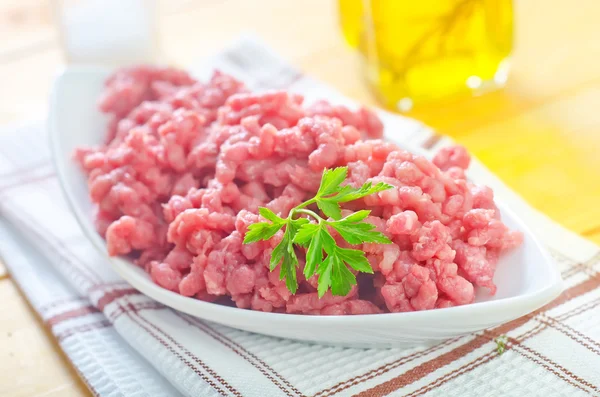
114 32
419 51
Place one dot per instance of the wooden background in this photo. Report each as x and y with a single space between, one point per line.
547 120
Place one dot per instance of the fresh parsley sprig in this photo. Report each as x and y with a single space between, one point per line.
323 255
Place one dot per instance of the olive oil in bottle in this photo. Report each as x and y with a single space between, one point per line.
428 50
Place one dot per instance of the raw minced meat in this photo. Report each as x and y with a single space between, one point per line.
186 164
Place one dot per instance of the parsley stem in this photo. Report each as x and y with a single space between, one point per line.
306 203
310 213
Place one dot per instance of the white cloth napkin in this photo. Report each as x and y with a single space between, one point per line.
124 344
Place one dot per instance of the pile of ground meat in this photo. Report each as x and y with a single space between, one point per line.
186 164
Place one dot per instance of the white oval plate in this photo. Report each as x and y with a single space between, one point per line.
526 277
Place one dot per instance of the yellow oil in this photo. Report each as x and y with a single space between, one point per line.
419 51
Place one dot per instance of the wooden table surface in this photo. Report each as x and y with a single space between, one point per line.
541 134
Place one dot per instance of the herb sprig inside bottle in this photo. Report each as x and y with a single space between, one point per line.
323 256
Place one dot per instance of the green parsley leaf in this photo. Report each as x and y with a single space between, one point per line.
329 208
290 260
270 215
352 194
306 233
277 254
342 279
331 180
260 231
329 244
357 216
358 233
314 254
297 224
355 258
324 272
288 270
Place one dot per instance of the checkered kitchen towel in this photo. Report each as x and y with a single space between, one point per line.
124 344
